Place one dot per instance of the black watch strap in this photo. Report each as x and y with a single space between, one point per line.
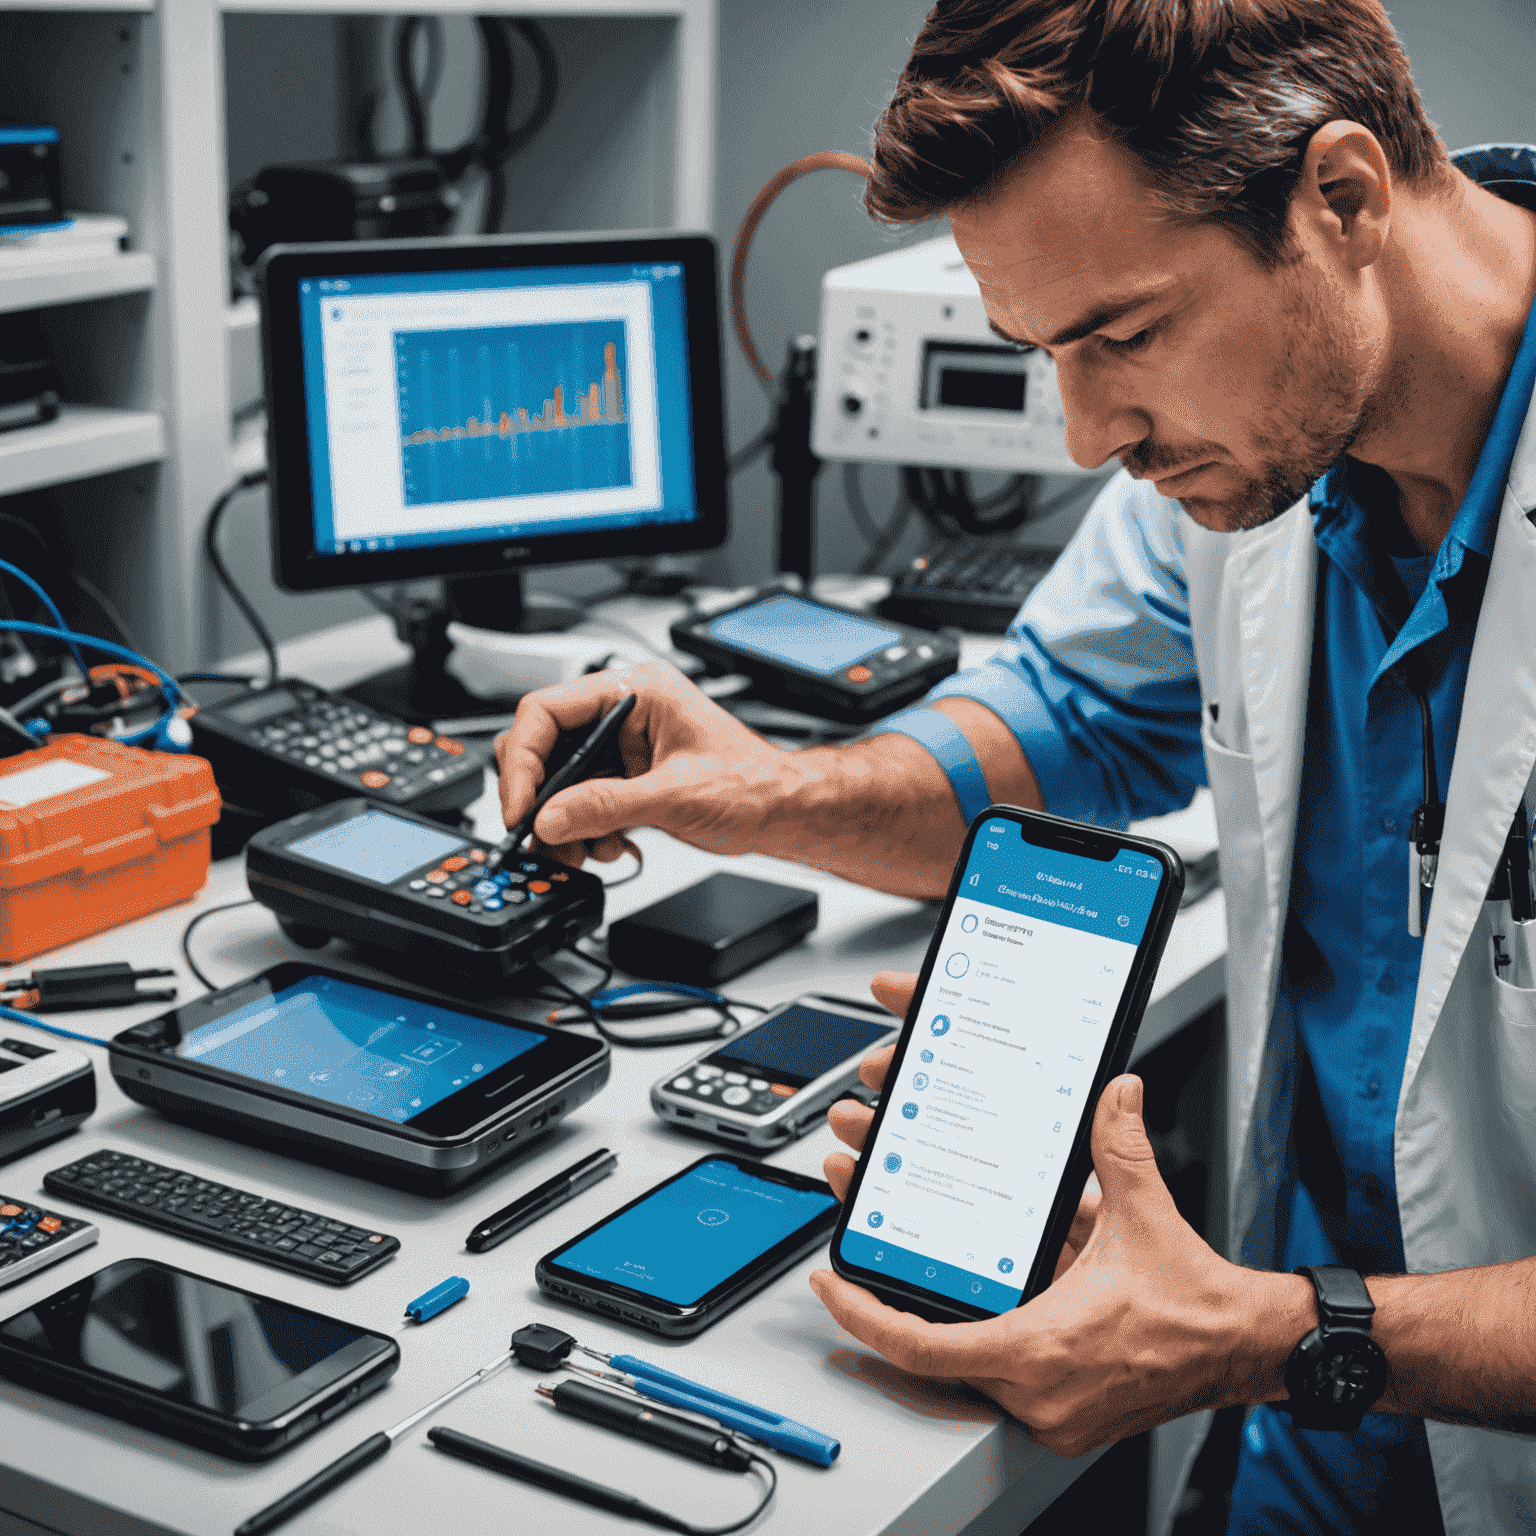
1342 1298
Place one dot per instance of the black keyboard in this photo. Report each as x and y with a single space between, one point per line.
222 1217
975 584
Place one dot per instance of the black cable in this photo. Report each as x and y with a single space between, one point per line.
211 545
109 612
186 937
1431 781
760 444
416 96
668 1522
218 677
880 541
726 1026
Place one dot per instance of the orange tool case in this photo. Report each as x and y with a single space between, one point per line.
93 834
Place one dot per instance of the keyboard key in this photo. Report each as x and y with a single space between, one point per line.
234 1220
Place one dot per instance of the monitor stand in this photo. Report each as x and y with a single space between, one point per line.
423 690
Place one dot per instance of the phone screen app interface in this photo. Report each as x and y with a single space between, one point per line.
985 1101
695 1232
347 1044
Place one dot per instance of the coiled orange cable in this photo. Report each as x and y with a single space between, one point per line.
827 160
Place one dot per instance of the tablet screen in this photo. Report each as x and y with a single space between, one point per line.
807 635
695 1232
377 846
343 1043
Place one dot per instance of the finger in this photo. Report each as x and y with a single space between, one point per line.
894 989
601 807
850 1122
1122 1155
875 1067
918 1346
541 716
1079 1232
838 1167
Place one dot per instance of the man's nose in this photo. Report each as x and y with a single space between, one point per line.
1101 422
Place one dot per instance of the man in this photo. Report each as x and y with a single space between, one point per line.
1304 332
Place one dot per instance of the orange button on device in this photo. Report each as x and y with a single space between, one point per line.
10 1210
448 744
859 674
783 1090
418 734
477 855
457 862
49 1224
461 898
373 779
538 887
437 876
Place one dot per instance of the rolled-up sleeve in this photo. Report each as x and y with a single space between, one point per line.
1097 676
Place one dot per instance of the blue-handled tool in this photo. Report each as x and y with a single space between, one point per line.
783 1434
438 1299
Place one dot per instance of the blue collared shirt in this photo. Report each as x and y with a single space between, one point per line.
1097 681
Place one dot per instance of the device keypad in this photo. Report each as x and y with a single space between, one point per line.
479 882
26 1230
735 1090
347 741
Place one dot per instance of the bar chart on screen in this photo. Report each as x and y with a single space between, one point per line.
492 412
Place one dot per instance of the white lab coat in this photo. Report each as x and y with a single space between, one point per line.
1465 1138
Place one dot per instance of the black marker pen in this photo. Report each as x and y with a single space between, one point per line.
538 1202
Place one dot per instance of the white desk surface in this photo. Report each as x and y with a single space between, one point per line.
916 1457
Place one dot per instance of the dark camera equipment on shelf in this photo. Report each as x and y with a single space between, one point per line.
30 193
29 378
381 197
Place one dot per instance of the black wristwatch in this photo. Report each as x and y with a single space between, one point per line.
1338 1370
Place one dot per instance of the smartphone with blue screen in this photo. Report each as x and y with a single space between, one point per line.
1028 1003
686 1252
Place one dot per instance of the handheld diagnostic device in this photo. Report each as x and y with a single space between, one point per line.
294 745
417 893
776 1079
819 658
387 1082
1028 1003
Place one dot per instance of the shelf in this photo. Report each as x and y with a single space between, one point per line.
143 7
83 440
35 284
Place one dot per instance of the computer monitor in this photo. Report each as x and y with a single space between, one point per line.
467 408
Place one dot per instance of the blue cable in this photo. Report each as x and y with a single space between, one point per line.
46 601
94 642
601 1000
52 1029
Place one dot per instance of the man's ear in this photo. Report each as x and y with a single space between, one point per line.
1343 196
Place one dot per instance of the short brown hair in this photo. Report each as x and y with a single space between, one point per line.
1217 98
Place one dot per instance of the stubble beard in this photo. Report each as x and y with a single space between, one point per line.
1318 400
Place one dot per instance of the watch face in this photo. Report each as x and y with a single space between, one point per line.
1344 1368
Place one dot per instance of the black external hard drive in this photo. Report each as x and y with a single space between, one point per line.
713 930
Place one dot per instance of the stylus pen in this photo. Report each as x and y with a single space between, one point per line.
527 1209
284 1509
575 768
631 1415
678 1392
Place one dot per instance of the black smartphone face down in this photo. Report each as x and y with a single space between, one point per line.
1028 1003
193 1359
686 1252
388 1056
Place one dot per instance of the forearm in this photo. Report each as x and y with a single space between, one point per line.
881 812
1460 1346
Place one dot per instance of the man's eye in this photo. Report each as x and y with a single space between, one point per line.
1131 343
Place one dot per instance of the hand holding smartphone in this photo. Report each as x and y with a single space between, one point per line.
1028 1003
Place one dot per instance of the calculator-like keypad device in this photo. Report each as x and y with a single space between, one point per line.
480 880
33 1237
345 742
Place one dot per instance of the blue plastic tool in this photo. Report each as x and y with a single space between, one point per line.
438 1299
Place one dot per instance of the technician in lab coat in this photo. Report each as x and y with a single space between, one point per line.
1306 334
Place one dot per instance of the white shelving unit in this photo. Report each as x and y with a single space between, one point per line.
82 441
146 341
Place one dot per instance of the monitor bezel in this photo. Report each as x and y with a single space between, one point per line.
298 567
